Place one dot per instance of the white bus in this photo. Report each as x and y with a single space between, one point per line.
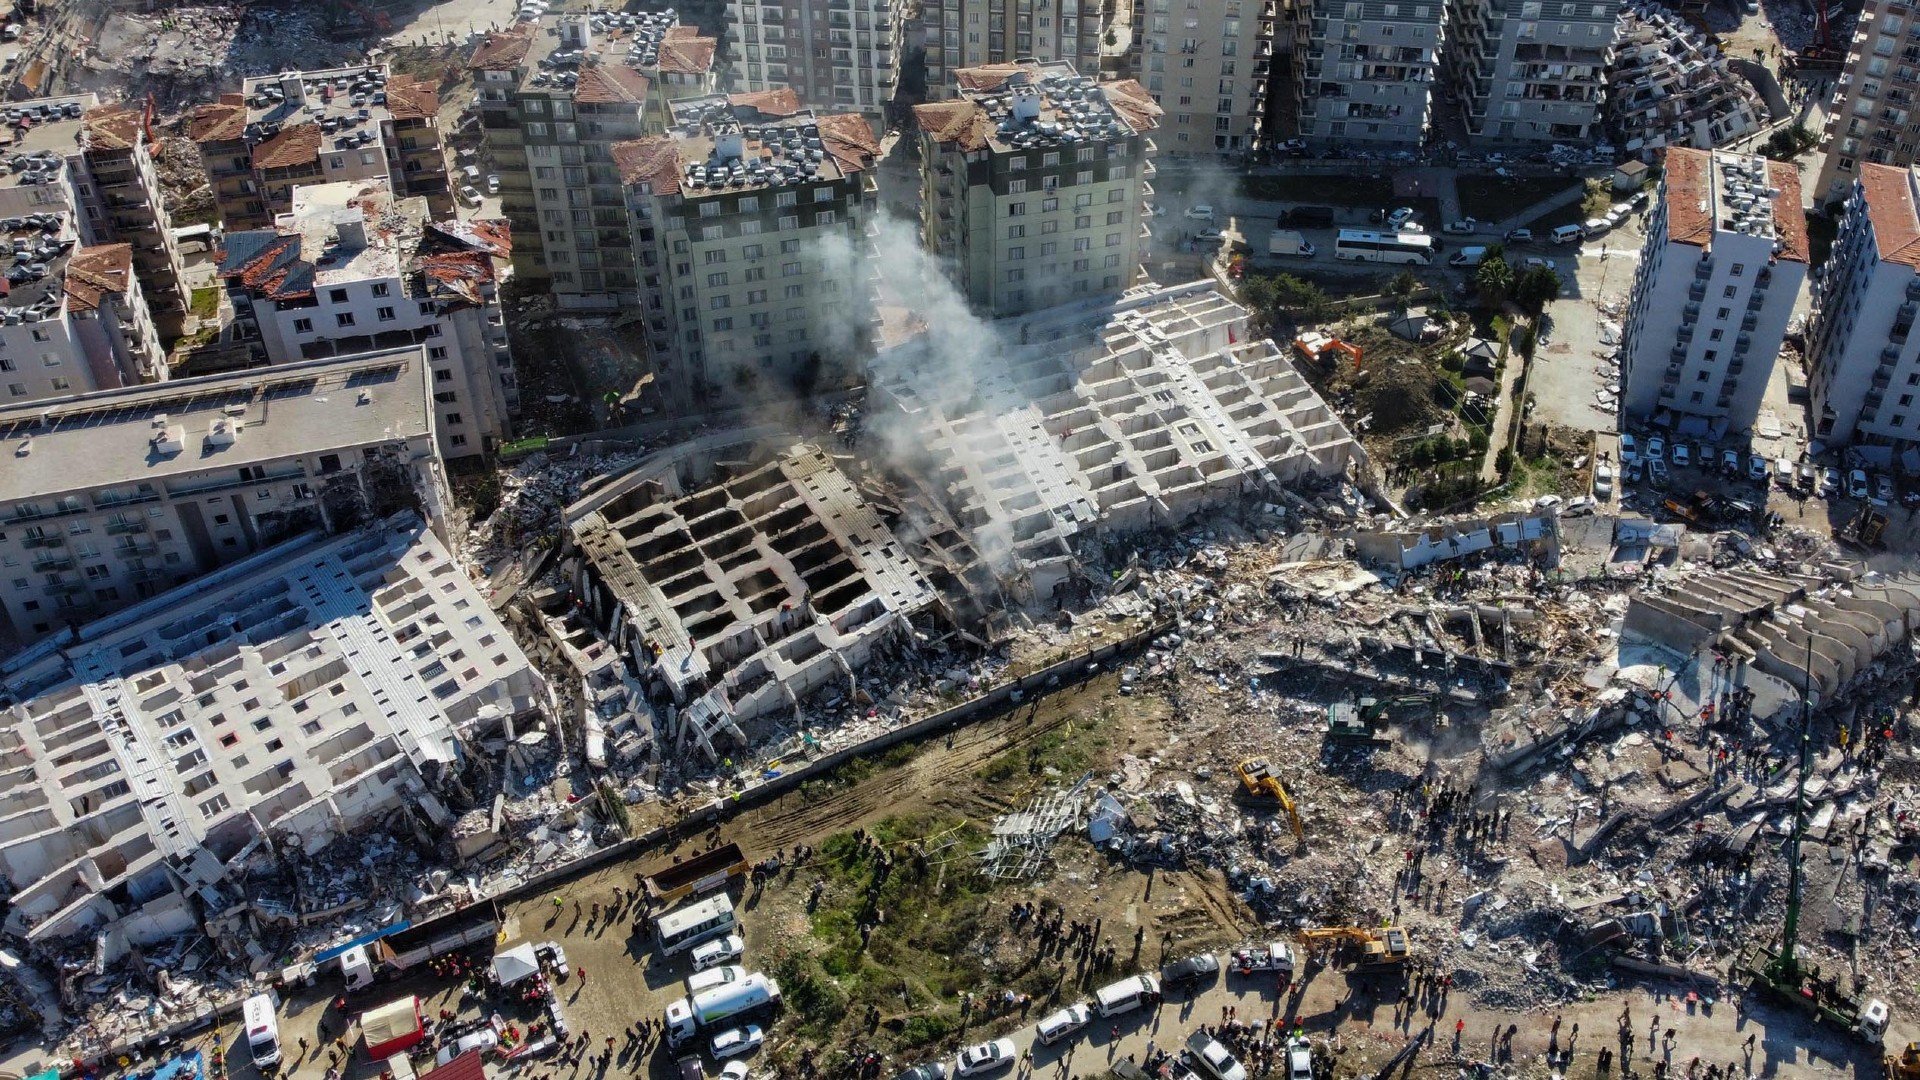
1365 246
686 927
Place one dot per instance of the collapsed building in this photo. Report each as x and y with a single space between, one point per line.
261 714
1669 85
736 575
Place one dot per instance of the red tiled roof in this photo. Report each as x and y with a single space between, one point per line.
959 122
989 77
609 84
503 50
93 272
490 236
222 122
1134 103
849 138
780 101
1890 207
112 127
409 98
654 160
1689 203
684 52
292 146
273 268
1789 220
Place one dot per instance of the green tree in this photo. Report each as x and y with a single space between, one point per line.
1493 280
1532 289
1402 287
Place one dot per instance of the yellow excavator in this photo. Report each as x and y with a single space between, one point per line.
1385 949
1261 786
1907 1065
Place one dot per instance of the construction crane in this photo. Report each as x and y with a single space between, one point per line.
1385 949
1260 786
1364 721
1779 974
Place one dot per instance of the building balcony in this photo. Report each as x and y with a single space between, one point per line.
52 564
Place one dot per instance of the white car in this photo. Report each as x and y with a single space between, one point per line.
482 1040
734 1070
468 195
1053 1028
1656 449
718 951
1400 217
1603 480
1829 481
1202 212
1757 468
1535 262
740 1040
1215 1060
720 976
1730 462
493 183
1209 235
1883 492
984 1058
1463 227
1629 450
1299 1060
1857 483
1682 455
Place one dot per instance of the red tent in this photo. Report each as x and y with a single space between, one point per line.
393 1027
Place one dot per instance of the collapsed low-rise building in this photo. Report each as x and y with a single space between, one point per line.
266 710
1669 85
1105 419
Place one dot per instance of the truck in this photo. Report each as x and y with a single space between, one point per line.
1274 956
389 954
704 1011
1289 242
705 872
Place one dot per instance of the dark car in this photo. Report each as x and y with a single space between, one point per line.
933 1070
1188 972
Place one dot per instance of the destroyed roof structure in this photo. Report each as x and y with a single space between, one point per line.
1106 418
740 573
276 705
1668 85
1535 533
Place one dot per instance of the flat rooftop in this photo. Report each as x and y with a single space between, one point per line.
127 436
340 100
36 250
351 230
1029 105
589 59
1718 191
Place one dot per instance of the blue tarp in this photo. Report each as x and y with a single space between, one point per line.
325 955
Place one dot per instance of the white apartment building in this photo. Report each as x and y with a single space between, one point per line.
290 699
1872 117
344 273
975 33
1864 365
1365 69
1207 63
74 321
113 497
1531 70
753 220
1725 254
839 54
1033 184
553 99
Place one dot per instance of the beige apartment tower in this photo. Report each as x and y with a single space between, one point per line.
1872 117
840 54
972 33
1207 63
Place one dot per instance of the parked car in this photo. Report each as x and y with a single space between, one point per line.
1400 217
1636 472
1519 236
984 1057
493 183
1210 1058
932 1070
735 1070
1629 450
1210 235
1757 468
720 976
1730 461
1189 972
1857 483
1656 449
1293 147
1535 262
1299 1060
1603 480
1657 472
1051 1029
1463 227
737 1041
1883 492
1682 455
468 195
482 1040
718 951
1200 212
1829 481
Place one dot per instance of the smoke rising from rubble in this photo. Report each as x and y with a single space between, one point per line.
955 349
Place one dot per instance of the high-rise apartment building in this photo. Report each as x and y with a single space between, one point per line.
351 270
1365 69
1530 70
838 54
1207 63
1725 253
312 127
554 98
118 495
752 230
1033 184
1872 117
975 33
127 206
1864 359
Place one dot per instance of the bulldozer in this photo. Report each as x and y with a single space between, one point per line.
1364 722
1261 786
1383 950
1906 1066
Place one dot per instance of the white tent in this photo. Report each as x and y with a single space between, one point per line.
515 964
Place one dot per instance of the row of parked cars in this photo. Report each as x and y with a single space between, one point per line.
1656 458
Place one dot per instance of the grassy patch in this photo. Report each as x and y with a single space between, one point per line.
1492 198
1070 749
205 303
1320 190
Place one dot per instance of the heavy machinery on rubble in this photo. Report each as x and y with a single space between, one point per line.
1261 786
1369 951
1364 722
1778 973
1907 1065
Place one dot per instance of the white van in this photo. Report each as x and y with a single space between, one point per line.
1126 995
1565 234
1468 256
263 1030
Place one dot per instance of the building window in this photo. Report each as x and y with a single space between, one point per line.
345 318
303 326
385 314
337 296
381 288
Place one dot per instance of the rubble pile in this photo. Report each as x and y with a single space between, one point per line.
1671 86
532 494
